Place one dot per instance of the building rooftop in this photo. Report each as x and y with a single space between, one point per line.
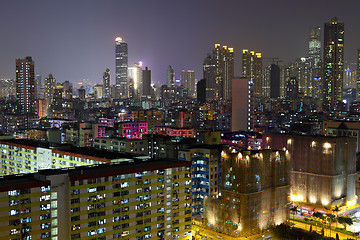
67 148
22 181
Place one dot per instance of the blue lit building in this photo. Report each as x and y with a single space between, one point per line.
205 173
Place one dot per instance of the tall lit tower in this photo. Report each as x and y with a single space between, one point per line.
274 81
170 77
190 82
218 70
106 83
25 85
121 68
50 84
252 69
314 46
358 75
333 63
183 78
146 82
135 76
39 87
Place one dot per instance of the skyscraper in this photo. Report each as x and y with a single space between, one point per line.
201 91
274 81
209 76
333 63
314 47
135 76
106 83
183 78
219 72
292 88
146 80
39 87
170 77
121 68
242 105
187 80
25 85
358 75
190 83
252 69
50 84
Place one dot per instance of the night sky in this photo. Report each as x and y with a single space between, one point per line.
75 39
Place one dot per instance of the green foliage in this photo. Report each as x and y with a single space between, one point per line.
285 232
330 218
318 215
345 220
294 208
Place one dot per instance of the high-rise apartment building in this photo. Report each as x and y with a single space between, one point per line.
358 75
242 105
121 68
254 192
131 198
190 76
323 169
218 70
349 75
39 87
187 79
183 78
170 77
292 88
201 91
68 90
146 82
25 85
274 81
7 88
135 78
106 84
206 162
209 76
252 69
315 46
50 84
333 63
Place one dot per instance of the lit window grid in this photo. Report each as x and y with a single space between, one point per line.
35 213
110 206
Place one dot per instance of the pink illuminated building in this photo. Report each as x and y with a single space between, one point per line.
175 132
131 130
106 122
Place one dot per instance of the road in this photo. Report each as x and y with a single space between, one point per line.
219 236
326 231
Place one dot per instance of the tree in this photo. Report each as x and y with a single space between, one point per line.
345 220
294 210
336 210
318 217
330 218
337 236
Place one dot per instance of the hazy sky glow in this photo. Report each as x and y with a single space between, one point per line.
75 39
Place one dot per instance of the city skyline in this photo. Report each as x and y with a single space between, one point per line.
65 39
